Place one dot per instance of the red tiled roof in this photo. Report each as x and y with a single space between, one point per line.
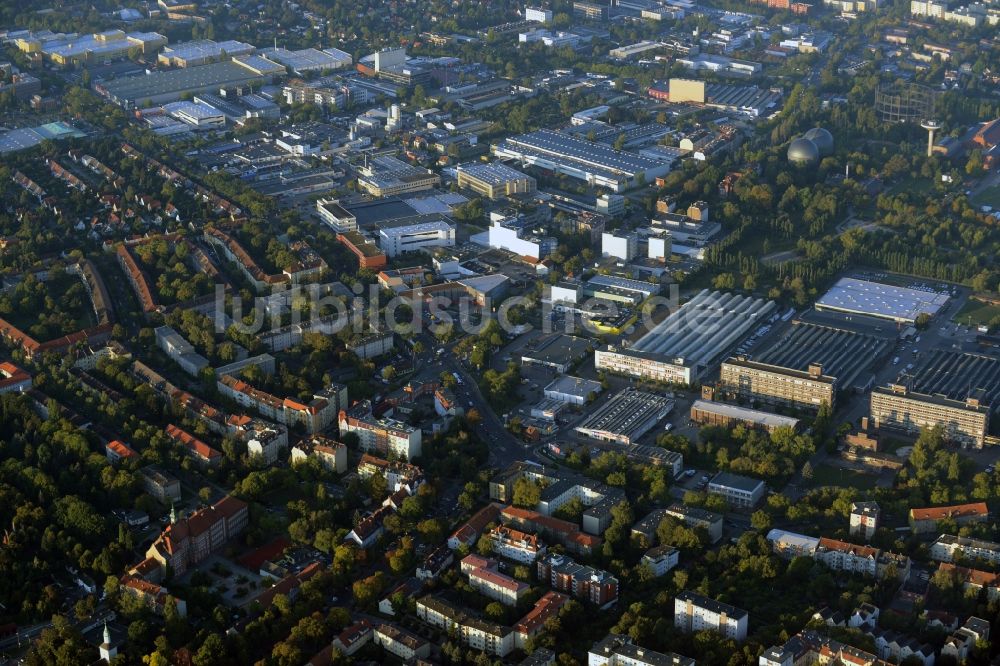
845 547
192 443
956 511
121 450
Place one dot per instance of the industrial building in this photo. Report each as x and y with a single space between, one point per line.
309 60
844 353
171 85
953 389
385 176
752 381
202 51
408 234
749 100
507 234
559 352
626 417
572 390
900 304
624 246
708 412
495 180
895 407
619 289
597 164
681 347
76 49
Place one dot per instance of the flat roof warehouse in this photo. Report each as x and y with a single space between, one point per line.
901 304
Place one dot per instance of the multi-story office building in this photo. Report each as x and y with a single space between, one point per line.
408 234
495 180
623 246
965 422
693 516
751 381
739 491
386 176
693 612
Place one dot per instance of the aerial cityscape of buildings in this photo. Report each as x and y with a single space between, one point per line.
617 332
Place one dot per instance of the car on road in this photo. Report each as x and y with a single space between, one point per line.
691 472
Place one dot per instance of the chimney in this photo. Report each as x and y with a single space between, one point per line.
864 423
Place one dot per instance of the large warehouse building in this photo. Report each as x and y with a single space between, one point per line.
170 85
626 417
597 164
955 390
874 299
681 347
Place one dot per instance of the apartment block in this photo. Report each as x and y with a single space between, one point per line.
386 436
401 643
485 578
516 545
583 582
620 650
864 519
951 548
474 632
331 454
694 612
926 519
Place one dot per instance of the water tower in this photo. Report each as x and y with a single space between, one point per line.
931 126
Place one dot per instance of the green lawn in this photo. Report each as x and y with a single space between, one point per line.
828 475
988 197
977 312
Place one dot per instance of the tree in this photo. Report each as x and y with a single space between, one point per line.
807 471
527 493
760 521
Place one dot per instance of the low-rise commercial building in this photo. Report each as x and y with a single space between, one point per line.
708 412
739 491
626 417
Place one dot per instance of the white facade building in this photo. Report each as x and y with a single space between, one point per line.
693 612
413 233
620 246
